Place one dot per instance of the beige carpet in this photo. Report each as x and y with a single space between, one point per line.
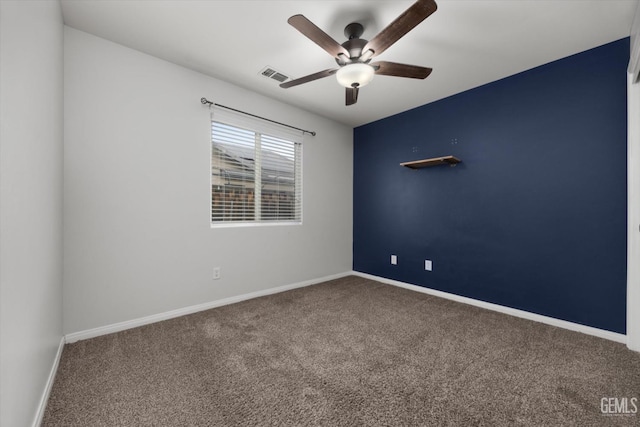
349 352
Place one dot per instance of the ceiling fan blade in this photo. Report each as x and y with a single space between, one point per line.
385 68
404 23
316 35
309 78
351 95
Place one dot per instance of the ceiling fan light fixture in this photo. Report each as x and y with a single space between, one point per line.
355 75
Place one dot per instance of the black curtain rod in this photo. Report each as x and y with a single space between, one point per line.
206 101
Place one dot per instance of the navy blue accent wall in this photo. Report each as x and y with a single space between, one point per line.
534 217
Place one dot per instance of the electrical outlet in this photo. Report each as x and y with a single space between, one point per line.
428 265
394 260
216 273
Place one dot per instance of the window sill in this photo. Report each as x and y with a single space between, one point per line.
253 224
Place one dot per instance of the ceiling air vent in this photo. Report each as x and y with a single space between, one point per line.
270 73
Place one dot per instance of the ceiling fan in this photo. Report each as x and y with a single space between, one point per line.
354 56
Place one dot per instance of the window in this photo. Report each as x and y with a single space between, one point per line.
256 174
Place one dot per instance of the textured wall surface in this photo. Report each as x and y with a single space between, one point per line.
534 217
31 76
138 240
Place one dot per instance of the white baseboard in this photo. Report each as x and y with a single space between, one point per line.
42 405
613 336
121 326
134 323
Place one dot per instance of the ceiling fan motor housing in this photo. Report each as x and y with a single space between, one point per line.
354 46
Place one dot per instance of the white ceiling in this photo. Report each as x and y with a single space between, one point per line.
467 42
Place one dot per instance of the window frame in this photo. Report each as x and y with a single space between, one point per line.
259 128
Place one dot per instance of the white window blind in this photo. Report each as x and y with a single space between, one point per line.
256 171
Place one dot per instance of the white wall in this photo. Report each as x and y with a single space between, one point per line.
137 149
31 138
633 239
633 183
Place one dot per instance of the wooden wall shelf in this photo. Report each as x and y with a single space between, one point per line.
417 164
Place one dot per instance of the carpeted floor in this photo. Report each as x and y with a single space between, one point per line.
349 352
